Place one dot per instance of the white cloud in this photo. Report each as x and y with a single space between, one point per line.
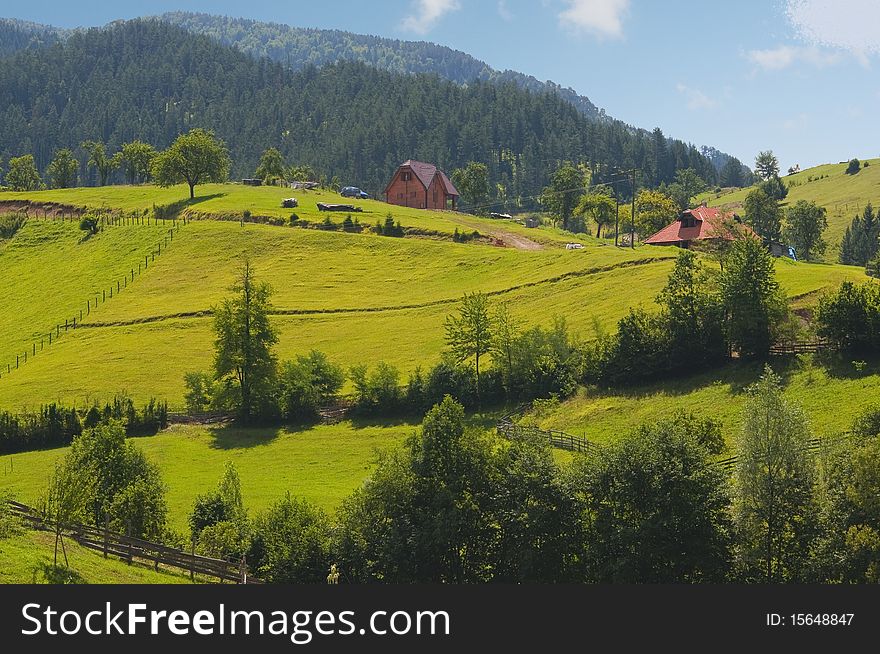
603 18
844 24
504 11
427 13
696 99
784 56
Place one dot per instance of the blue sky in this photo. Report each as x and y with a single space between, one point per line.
795 76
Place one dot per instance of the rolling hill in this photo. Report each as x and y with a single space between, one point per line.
361 298
843 196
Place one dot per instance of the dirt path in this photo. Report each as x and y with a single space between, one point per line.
508 238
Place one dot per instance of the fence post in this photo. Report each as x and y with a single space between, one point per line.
106 532
242 570
192 560
128 534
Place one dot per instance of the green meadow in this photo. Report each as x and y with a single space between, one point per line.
361 298
833 393
26 558
322 464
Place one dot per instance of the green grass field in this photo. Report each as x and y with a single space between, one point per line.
322 464
833 396
842 195
359 297
26 558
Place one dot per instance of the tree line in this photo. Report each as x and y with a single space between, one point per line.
55 425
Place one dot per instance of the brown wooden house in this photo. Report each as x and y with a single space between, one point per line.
421 186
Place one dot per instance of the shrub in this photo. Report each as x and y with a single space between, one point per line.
377 392
307 384
850 318
291 543
10 224
853 167
89 224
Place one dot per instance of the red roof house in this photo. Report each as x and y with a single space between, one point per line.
422 186
700 224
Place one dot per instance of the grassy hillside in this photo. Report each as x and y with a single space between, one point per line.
48 272
231 201
832 396
322 464
27 559
359 297
842 195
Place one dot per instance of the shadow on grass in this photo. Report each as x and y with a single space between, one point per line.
842 365
235 437
737 376
49 573
173 209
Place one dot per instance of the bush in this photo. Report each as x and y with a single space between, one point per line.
377 392
850 318
56 426
307 384
291 543
10 223
89 224
853 167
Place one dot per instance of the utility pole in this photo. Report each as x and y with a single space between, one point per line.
632 224
616 216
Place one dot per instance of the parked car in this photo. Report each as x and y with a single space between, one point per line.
353 192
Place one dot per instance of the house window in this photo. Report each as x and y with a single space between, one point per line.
400 196
405 176
412 194
435 196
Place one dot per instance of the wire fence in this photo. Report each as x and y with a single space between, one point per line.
104 219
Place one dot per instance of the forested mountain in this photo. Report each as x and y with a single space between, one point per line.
18 35
298 47
149 80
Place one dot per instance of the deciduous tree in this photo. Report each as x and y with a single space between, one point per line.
469 334
774 507
195 158
805 223
23 175
63 169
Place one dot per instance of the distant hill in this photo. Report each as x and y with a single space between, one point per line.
18 35
151 80
299 47
843 196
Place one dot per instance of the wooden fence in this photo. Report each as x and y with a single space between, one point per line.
813 445
130 549
559 439
798 347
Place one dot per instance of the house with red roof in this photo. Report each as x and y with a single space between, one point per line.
422 186
700 224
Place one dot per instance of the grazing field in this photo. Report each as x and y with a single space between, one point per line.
842 195
833 395
322 464
26 558
361 298
49 270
